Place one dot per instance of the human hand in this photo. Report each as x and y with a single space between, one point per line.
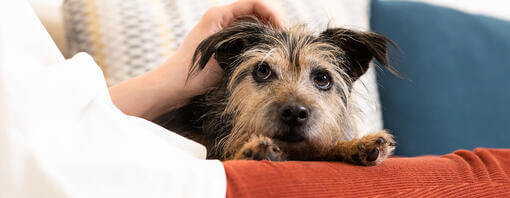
165 88
214 20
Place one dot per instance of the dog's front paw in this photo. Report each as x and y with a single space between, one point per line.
260 148
374 148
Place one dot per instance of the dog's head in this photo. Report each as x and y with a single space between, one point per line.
290 85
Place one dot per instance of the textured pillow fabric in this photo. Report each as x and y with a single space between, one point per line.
129 37
458 63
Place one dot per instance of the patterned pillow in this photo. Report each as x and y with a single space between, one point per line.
129 37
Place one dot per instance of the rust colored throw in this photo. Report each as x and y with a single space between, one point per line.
478 173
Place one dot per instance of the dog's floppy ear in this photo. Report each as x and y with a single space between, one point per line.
228 44
360 48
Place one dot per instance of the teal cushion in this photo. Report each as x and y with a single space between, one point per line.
458 65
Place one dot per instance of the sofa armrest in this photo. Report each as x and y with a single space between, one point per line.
482 172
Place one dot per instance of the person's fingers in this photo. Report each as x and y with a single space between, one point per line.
255 7
262 9
240 8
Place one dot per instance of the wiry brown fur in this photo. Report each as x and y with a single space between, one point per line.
239 117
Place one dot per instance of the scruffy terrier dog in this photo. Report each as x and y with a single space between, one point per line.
284 95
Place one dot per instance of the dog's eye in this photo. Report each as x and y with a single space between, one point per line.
262 72
322 80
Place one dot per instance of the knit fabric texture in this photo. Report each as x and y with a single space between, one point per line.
478 173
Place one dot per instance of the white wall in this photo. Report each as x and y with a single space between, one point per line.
50 14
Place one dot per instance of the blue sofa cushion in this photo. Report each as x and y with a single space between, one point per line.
458 65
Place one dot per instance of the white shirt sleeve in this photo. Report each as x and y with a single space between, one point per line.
61 135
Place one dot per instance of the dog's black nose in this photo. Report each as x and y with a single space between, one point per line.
294 113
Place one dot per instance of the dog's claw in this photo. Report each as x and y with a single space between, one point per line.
380 140
260 148
373 155
375 148
247 153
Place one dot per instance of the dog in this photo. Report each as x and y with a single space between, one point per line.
284 95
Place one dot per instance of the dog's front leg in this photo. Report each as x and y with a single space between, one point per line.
260 148
368 150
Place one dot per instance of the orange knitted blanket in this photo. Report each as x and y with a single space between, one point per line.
478 173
